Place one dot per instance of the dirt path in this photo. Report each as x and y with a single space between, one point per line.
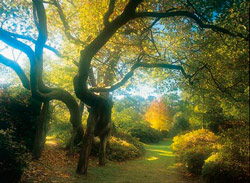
157 166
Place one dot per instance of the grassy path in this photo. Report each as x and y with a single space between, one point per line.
157 166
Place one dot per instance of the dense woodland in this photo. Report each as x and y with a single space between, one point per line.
107 79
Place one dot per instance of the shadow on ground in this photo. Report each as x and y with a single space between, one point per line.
158 165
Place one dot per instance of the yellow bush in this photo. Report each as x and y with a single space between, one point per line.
122 150
194 147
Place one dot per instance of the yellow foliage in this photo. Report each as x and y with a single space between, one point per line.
200 140
159 116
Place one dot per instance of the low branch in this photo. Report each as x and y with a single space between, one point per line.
131 73
18 36
17 68
192 16
36 59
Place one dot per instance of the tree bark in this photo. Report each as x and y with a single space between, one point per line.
38 89
41 129
98 124
83 162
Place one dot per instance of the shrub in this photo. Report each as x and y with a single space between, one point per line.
145 133
13 157
218 169
231 162
19 113
121 150
193 148
121 147
127 137
139 130
194 160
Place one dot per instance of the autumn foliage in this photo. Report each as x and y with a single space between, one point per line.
159 116
194 147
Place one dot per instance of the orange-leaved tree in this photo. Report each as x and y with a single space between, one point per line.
158 115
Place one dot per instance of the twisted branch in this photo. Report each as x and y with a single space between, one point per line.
131 73
17 68
35 42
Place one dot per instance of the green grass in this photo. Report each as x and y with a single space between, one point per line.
158 165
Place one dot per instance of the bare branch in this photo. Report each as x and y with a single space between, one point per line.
153 41
41 23
192 16
155 21
66 25
109 12
149 27
76 63
35 17
198 70
214 80
131 73
17 68
219 85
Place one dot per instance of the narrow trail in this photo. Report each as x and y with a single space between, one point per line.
157 166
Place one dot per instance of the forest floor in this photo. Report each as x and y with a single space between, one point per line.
156 166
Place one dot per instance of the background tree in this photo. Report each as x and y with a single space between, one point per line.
159 116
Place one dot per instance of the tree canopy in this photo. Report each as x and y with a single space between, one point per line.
200 48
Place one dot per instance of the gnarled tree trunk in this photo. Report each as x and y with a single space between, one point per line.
98 124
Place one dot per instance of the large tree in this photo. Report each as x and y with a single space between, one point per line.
34 82
116 17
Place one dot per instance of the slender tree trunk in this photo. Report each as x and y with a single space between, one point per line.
77 135
41 129
83 162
